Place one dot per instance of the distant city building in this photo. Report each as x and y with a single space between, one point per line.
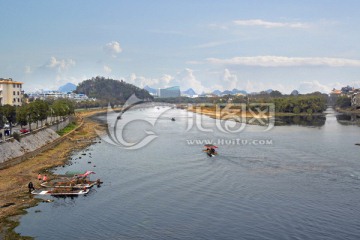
10 92
169 92
56 94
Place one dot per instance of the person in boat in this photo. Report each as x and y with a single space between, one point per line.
39 177
212 150
45 178
31 187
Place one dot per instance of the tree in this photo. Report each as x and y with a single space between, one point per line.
343 102
9 112
42 110
21 115
275 93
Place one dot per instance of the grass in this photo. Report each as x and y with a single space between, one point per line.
67 129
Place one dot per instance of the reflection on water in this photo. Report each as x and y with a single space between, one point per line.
306 120
348 119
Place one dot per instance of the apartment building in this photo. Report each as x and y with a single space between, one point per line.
10 92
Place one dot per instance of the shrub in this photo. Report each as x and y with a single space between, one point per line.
16 136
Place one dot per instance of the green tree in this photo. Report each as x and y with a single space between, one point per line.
296 110
343 102
42 110
21 115
9 112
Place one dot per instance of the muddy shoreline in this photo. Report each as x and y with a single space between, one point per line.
14 195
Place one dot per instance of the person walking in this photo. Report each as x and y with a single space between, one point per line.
31 187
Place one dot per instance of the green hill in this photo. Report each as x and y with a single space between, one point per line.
114 91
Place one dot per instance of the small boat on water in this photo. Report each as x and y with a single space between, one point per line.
78 181
61 192
173 119
210 150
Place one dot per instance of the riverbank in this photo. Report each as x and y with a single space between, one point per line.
347 110
233 113
14 196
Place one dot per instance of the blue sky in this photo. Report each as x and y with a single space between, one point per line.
207 45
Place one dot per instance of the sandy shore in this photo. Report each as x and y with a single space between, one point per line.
227 114
14 195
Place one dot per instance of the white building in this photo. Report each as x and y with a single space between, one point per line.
10 92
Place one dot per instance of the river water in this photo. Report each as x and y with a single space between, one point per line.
298 181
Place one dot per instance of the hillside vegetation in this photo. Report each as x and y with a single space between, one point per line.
110 90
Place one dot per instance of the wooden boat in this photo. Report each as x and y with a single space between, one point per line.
61 192
63 183
78 181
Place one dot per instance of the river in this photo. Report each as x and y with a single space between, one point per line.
295 181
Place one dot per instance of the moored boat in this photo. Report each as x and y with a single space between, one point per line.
62 183
61 192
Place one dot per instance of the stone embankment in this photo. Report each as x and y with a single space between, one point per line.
13 151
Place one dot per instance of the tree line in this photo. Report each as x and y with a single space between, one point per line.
295 104
35 112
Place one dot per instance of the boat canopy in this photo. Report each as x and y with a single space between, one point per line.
210 146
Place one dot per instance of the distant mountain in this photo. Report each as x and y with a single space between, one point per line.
227 92
294 92
110 90
150 90
69 87
269 90
189 92
217 92
237 91
231 92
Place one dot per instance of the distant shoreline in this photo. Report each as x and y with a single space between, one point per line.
347 111
211 112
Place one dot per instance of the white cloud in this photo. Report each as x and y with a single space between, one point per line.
60 64
112 48
107 69
313 86
280 61
166 79
229 80
267 24
186 79
27 70
141 81
215 44
218 26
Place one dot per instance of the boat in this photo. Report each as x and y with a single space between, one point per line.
61 192
210 150
78 181
173 119
64 183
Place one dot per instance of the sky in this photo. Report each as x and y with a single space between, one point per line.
205 45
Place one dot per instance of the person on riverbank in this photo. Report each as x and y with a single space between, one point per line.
31 187
45 178
39 177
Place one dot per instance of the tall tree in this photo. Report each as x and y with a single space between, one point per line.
9 113
21 115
